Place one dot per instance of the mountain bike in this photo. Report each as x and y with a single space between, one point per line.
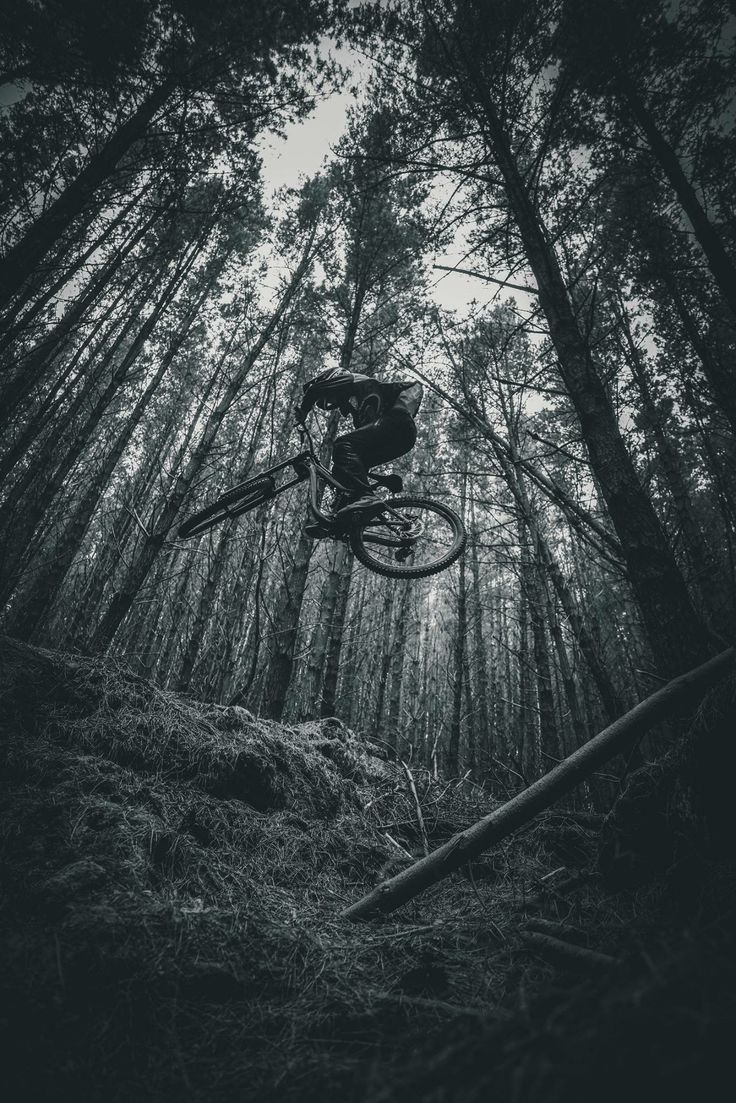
401 536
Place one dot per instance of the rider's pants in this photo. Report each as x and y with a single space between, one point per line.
393 435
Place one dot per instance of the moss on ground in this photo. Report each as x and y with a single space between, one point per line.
173 876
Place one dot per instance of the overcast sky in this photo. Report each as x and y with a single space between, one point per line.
303 152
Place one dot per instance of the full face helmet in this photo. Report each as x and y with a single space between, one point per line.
331 381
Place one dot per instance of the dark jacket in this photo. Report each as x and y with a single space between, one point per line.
364 398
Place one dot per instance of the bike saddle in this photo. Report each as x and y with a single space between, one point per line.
393 483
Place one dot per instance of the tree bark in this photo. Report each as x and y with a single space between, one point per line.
312 683
719 262
398 659
526 746
32 367
486 748
384 658
695 548
23 258
677 634
32 516
138 569
334 648
285 629
47 582
452 752
531 585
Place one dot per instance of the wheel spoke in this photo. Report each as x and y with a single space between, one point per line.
416 537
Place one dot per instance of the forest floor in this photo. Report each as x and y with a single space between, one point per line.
174 875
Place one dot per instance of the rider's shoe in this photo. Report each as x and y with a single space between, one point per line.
366 502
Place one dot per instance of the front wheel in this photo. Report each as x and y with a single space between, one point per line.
409 538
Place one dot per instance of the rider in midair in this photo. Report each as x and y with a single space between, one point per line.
383 415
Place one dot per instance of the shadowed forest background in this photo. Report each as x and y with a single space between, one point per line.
573 162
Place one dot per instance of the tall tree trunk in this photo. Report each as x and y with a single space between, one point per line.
32 514
569 684
50 415
77 627
49 579
719 262
216 562
588 526
677 635
719 377
316 663
248 577
244 585
334 648
486 743
452 752
285 626
92 246
398 664
138 569
32 367
384 659
531 586
526 749
23 258
468 753
515 482
354 665
411 728
699 558
155 653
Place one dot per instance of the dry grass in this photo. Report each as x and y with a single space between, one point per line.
174 875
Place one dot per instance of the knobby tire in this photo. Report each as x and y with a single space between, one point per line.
241 499
457 547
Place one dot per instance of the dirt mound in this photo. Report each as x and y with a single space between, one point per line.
173 876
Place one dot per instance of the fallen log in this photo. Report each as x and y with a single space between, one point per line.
567 953
677 697
560 889
563 931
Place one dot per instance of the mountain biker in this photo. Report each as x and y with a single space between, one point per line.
383 415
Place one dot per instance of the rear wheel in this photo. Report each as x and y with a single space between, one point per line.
409 538
239 500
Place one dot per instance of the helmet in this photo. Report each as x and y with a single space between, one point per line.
329 382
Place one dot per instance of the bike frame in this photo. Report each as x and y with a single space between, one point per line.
307 466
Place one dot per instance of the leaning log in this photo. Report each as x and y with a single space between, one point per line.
677 697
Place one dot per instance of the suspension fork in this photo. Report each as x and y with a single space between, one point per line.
307 466
317 473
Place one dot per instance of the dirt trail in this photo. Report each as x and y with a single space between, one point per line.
173 875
